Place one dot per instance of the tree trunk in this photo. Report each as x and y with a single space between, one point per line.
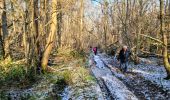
46 8
59 23
26 39
5 32
126 23
13 16
35 27
164 39
81 23
105 23
51 37
2 53
139 30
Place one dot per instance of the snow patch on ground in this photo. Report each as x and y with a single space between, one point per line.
118 89
98 61
88 93
150 71
153 73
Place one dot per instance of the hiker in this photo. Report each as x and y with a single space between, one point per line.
95 50
123 58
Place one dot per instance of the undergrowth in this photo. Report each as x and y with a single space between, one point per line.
70 53
15 73
76 74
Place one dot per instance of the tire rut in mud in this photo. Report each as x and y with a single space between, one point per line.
105 91
102 76
142 88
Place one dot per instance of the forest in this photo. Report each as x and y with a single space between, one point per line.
46 49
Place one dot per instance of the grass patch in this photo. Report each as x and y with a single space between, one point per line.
74 73
77 72
16 74
69 53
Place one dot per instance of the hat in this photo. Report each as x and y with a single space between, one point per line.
124 47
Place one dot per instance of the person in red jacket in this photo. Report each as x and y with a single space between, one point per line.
95 50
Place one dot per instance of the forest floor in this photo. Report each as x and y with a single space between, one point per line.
69 78
141 82
76 77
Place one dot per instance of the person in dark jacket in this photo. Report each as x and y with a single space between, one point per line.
123 58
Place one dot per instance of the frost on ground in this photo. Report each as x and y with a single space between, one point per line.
39 91
118 89
115 87
72 82
98 61
156 74
153 72
144 80
86 93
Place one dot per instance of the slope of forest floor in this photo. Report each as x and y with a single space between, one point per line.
76 77
144 80
69 79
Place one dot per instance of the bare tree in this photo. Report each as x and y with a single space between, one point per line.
59 22
51 37
164 39
5 39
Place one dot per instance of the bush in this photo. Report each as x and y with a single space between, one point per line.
16 72
67 76
68 52
77 54
11 72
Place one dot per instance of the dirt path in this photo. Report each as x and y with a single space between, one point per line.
112 87
142 88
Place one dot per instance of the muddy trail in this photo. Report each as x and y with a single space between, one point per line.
109 83
138 87
112 88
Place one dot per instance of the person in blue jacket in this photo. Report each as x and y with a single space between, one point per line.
123 58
